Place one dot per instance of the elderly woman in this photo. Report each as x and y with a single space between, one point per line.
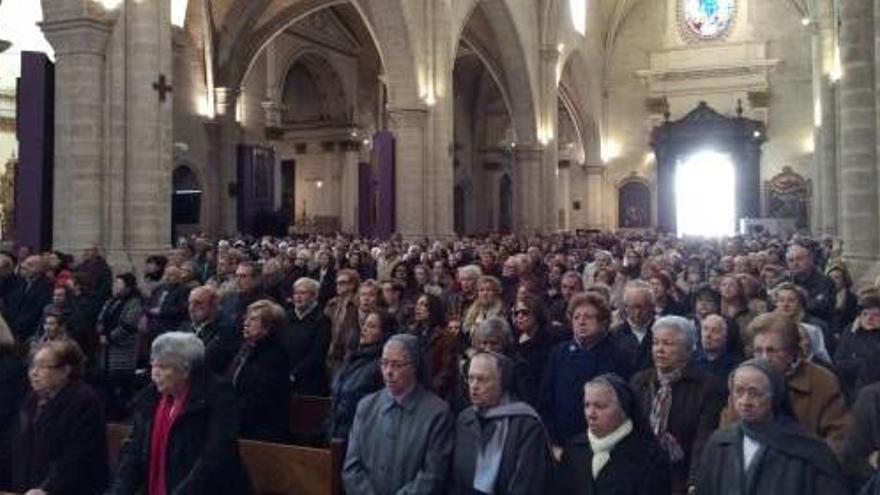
588 354
359 374
259 374
617 453
500 443
468 276
307 339
58 441
766 451
183 439
533 333
439 346
494 335
681 401
488 303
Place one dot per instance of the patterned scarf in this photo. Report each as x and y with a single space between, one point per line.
660 414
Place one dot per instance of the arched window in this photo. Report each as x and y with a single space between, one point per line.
578 9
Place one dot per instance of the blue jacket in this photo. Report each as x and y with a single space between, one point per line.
569 367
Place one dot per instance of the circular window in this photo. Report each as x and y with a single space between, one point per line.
706 19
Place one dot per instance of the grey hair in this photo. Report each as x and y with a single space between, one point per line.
181 349
307 283
491 327
470 271
680 324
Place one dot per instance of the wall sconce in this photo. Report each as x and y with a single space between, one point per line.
319 184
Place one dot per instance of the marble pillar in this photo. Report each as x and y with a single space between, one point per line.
79 39
858 132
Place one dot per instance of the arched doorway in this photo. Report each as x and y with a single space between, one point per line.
186 202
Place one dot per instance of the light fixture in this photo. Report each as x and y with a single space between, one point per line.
756 134
806 21
561 47
319 184
110 4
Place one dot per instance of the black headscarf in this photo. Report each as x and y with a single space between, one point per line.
626 398
782 432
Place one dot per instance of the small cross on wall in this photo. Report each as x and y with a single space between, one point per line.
162 87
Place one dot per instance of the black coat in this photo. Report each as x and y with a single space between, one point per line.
637 354
221 341
307 341
525 460
263 390
856 359
202 452
358 377
13 387
697 400
535 352
638 466
820 293
809 468
63 449
24 306
173 308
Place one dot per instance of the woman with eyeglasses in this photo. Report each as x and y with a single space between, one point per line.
533 339
766 451
58 442
570 364
856 355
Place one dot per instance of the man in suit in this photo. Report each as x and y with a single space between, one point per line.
221 341
25 305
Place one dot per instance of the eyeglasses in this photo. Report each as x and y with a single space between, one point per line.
748 392
393 365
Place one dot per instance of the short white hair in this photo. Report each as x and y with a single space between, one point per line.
181 349
682 326
470 271
307 283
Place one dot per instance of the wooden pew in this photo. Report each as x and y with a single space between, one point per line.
307 416
274 469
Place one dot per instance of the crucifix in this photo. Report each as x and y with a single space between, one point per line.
162 87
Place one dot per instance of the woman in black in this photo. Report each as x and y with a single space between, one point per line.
360 374
618 453
58 441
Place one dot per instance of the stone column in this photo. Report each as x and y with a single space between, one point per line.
562 199
224 155
149 140
528 198
548 136
409 126
827 148
349 198
80 41
593 202
858 131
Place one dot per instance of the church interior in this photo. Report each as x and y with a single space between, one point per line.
443 118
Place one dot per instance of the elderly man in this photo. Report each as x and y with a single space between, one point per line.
248 289
221 340
342 311
820 289
570 285
168 305
500 444
633 335
25 305
815 393
401 439
307 339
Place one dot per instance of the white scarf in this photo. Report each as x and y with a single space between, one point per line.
602 447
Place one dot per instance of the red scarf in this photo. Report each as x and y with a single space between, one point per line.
166 413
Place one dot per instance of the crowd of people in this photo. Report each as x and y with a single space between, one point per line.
582 363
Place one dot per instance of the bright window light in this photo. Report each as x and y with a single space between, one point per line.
178 12
705 186
578 10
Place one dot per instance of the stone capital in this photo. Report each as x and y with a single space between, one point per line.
224 100
529 153
408 117
83 35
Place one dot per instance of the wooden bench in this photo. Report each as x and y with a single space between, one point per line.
307 417
274 469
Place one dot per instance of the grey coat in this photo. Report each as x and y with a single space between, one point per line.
525 461
399 449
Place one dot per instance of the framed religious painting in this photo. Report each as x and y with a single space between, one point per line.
706 20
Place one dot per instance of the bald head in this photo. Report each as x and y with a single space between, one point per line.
203 304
